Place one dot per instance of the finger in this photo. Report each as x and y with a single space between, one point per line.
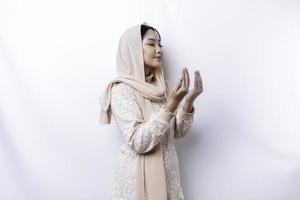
187 78
199 74
184 78
195 80
199 79
178 85
182 74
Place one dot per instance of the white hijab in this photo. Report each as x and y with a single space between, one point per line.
150 174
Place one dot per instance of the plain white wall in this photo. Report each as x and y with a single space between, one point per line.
57 56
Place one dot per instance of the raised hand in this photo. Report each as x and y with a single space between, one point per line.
197 90
193 93
179 92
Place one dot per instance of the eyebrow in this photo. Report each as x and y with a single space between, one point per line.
152 39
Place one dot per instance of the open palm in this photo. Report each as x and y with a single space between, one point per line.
197 90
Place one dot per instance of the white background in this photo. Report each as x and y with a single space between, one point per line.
57 56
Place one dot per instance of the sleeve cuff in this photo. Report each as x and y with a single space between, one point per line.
165 114
192 112
182 113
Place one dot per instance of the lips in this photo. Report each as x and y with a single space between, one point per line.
158 58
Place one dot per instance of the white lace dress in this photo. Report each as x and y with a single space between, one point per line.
141 137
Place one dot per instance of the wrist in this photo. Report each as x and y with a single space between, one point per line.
171 105
188 107
189 101
170 108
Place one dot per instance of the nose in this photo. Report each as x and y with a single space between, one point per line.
158 49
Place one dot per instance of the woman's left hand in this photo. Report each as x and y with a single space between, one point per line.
196 91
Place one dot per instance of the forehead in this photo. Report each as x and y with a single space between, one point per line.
151 34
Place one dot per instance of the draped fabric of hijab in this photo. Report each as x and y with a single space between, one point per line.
150 173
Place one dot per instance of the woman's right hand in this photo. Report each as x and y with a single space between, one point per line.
179 92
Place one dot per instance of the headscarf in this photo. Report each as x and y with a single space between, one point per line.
150 172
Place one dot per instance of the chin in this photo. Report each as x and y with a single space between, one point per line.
157 65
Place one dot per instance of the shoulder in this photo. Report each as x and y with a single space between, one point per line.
122 88
122 93
123 101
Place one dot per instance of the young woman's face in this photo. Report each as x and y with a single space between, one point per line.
152 49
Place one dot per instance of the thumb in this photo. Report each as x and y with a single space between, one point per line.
178 84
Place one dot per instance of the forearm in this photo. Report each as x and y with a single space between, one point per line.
184 121
171 105
152 131
188 106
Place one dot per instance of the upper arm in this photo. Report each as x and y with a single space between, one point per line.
140 135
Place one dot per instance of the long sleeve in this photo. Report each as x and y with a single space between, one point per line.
183 122
142 136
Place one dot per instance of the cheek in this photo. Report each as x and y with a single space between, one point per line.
147 54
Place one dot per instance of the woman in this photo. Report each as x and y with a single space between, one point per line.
150 115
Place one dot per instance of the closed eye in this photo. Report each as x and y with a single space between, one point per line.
154 45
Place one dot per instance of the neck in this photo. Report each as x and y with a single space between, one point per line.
149 74
148 70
